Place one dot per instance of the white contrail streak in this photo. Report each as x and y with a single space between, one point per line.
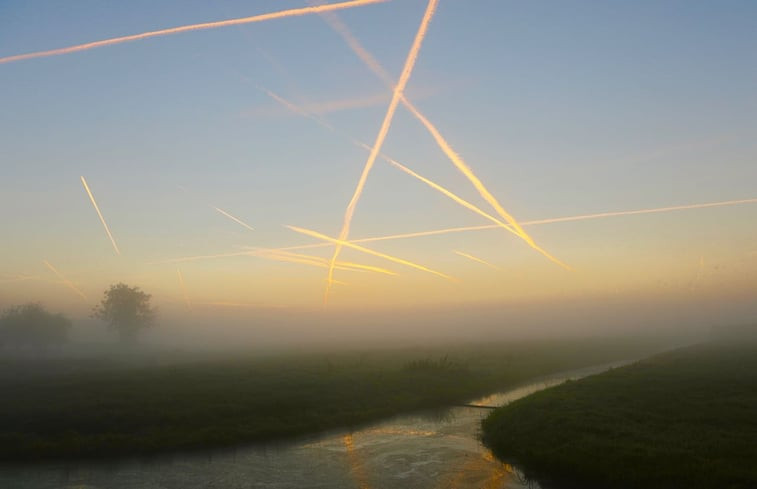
191 27
65 281
455 158
553 220
102 219
477 259
235 219
318 235
407 70
184 289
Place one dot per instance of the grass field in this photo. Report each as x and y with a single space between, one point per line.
89 408
684 419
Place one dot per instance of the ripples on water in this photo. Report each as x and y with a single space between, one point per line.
420 451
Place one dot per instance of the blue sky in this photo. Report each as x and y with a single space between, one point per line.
561 108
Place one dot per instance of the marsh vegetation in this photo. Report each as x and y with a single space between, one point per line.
103 407
680 419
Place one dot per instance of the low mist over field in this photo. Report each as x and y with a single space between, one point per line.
229 223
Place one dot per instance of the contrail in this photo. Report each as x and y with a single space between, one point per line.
238 304
102 219
19 278
344 264
373 64
184 289
394 163
26 278
396 94
474 258
357 47
348 244
221 211
296 109
452 196
284 255
391 161
65 281
327 107
192 27
645 211
398 165
482 190
200 257
235 219
582 217
317 261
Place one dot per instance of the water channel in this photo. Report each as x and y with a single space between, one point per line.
412 451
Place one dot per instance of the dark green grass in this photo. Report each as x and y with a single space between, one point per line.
95 408
684 419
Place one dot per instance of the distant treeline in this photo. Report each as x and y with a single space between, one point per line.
32 325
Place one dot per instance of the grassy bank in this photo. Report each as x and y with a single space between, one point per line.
687 418
98 408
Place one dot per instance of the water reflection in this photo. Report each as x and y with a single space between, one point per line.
420 451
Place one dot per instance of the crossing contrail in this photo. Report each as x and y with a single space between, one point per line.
370 61
345 265
102 219
553 220
396 94
284 255
191 27
465 203
393 162
348 244
65 281
318 261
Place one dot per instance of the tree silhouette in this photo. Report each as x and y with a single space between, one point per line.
126 309
32 325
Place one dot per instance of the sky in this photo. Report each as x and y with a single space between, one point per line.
558 108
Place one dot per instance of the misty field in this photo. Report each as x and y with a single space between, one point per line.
106 407
686 418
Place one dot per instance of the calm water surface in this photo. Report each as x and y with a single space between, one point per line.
419 451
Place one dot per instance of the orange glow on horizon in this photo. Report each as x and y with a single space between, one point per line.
192 27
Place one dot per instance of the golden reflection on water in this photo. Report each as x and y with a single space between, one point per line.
496 473
476 470
357 467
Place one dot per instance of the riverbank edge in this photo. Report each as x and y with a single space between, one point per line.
443 386
539 449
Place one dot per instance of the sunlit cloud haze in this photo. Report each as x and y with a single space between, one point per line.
237 143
